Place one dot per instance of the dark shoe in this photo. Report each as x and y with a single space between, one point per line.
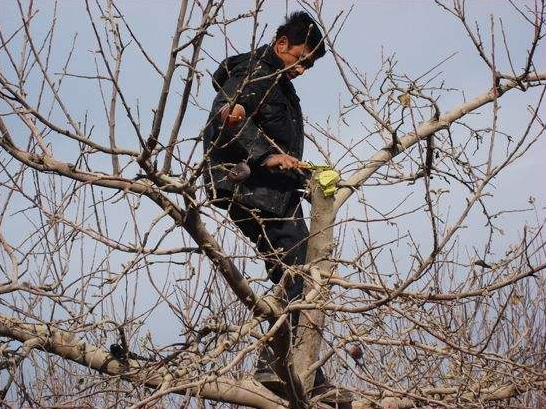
333 396
266 375
271 381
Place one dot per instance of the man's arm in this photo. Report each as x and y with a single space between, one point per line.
244 136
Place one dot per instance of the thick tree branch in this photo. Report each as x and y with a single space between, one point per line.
167 78
63 344
448 395
422 132
190 219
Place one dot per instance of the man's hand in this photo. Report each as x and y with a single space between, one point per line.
282 161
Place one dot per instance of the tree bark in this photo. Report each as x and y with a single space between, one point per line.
319 249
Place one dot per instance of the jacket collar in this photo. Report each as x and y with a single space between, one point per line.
267 55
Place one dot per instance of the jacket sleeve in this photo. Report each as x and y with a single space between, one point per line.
246 139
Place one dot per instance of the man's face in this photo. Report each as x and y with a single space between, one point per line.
297 57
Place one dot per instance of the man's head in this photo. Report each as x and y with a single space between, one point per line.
295 41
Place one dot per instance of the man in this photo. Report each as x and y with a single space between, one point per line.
269 140
254 143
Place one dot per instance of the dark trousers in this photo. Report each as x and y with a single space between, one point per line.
282 240
272 233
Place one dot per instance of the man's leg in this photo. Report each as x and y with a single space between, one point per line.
290 233
286 241
281 240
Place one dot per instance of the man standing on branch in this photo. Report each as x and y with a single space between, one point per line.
254 144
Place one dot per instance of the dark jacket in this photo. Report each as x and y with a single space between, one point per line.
273 125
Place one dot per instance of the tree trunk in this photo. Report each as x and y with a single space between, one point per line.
320 246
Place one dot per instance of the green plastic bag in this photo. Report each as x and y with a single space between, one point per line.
327 180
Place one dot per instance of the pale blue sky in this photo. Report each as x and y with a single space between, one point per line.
418 32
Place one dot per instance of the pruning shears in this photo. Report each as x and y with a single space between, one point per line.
314 167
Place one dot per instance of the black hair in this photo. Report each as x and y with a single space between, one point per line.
300 28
